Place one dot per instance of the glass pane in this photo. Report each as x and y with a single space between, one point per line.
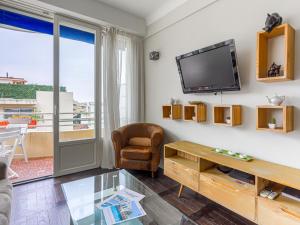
83 197
26 93
76 81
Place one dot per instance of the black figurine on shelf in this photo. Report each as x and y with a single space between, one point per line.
274 70
272 21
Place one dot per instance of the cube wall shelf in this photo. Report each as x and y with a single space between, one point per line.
173 112
232 111
195 113
264 115
262 63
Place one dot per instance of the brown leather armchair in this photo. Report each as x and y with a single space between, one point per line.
137 146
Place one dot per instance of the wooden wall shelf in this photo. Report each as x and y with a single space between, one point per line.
262 64
195 113
232 111
264 115
194 166
173 112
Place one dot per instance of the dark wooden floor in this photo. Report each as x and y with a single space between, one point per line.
43 203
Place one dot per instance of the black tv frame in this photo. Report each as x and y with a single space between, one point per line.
207 89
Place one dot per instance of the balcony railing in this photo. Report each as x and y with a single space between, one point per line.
42 119
38 140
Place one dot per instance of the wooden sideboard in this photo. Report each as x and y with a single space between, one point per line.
194 166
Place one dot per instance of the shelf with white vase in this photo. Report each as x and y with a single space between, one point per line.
269 115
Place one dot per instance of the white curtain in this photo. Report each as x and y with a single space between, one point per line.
135 80
111 80
123 86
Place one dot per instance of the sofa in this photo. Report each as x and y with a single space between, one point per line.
5 195
137 146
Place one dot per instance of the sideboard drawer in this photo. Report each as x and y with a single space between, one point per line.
184 175
239 197
276 212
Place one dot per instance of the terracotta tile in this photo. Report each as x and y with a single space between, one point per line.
34 168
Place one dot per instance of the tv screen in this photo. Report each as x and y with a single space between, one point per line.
210 69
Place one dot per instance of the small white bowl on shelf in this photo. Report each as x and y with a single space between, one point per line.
272 125
243 156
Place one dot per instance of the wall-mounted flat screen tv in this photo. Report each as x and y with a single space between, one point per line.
210 69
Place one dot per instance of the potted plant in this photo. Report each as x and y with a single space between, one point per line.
272 123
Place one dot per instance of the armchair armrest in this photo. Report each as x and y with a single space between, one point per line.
116 137
119 139
156 138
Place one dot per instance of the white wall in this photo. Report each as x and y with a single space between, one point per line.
220 21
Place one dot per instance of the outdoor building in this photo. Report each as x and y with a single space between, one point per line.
12 80
44 110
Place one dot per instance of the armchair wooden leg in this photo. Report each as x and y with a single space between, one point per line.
180 190
153 174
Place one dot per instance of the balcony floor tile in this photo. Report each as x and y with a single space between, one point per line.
35 168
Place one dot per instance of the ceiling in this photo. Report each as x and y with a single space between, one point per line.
150 10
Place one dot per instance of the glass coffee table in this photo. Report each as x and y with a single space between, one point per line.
83 195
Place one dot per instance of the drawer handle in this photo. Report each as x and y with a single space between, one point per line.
290 213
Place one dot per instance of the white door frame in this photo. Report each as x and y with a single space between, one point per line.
95 142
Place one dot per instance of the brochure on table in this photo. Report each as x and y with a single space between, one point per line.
122 206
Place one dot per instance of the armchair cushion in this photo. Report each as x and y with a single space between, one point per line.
135 164
5 201
140 141
136 153
5 205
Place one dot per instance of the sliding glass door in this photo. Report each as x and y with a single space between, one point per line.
26 92
76 96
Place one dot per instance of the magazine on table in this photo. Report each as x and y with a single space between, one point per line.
122 206
122 197
131 194
101 218
122 213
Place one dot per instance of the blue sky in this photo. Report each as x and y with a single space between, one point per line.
30 56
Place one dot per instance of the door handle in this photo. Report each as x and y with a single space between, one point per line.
55 110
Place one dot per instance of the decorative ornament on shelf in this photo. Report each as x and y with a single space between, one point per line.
177 102
232 154
276 100
273 20
272 124
172 101
228 120
154 55
274 70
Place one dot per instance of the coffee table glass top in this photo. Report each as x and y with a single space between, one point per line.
83 195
